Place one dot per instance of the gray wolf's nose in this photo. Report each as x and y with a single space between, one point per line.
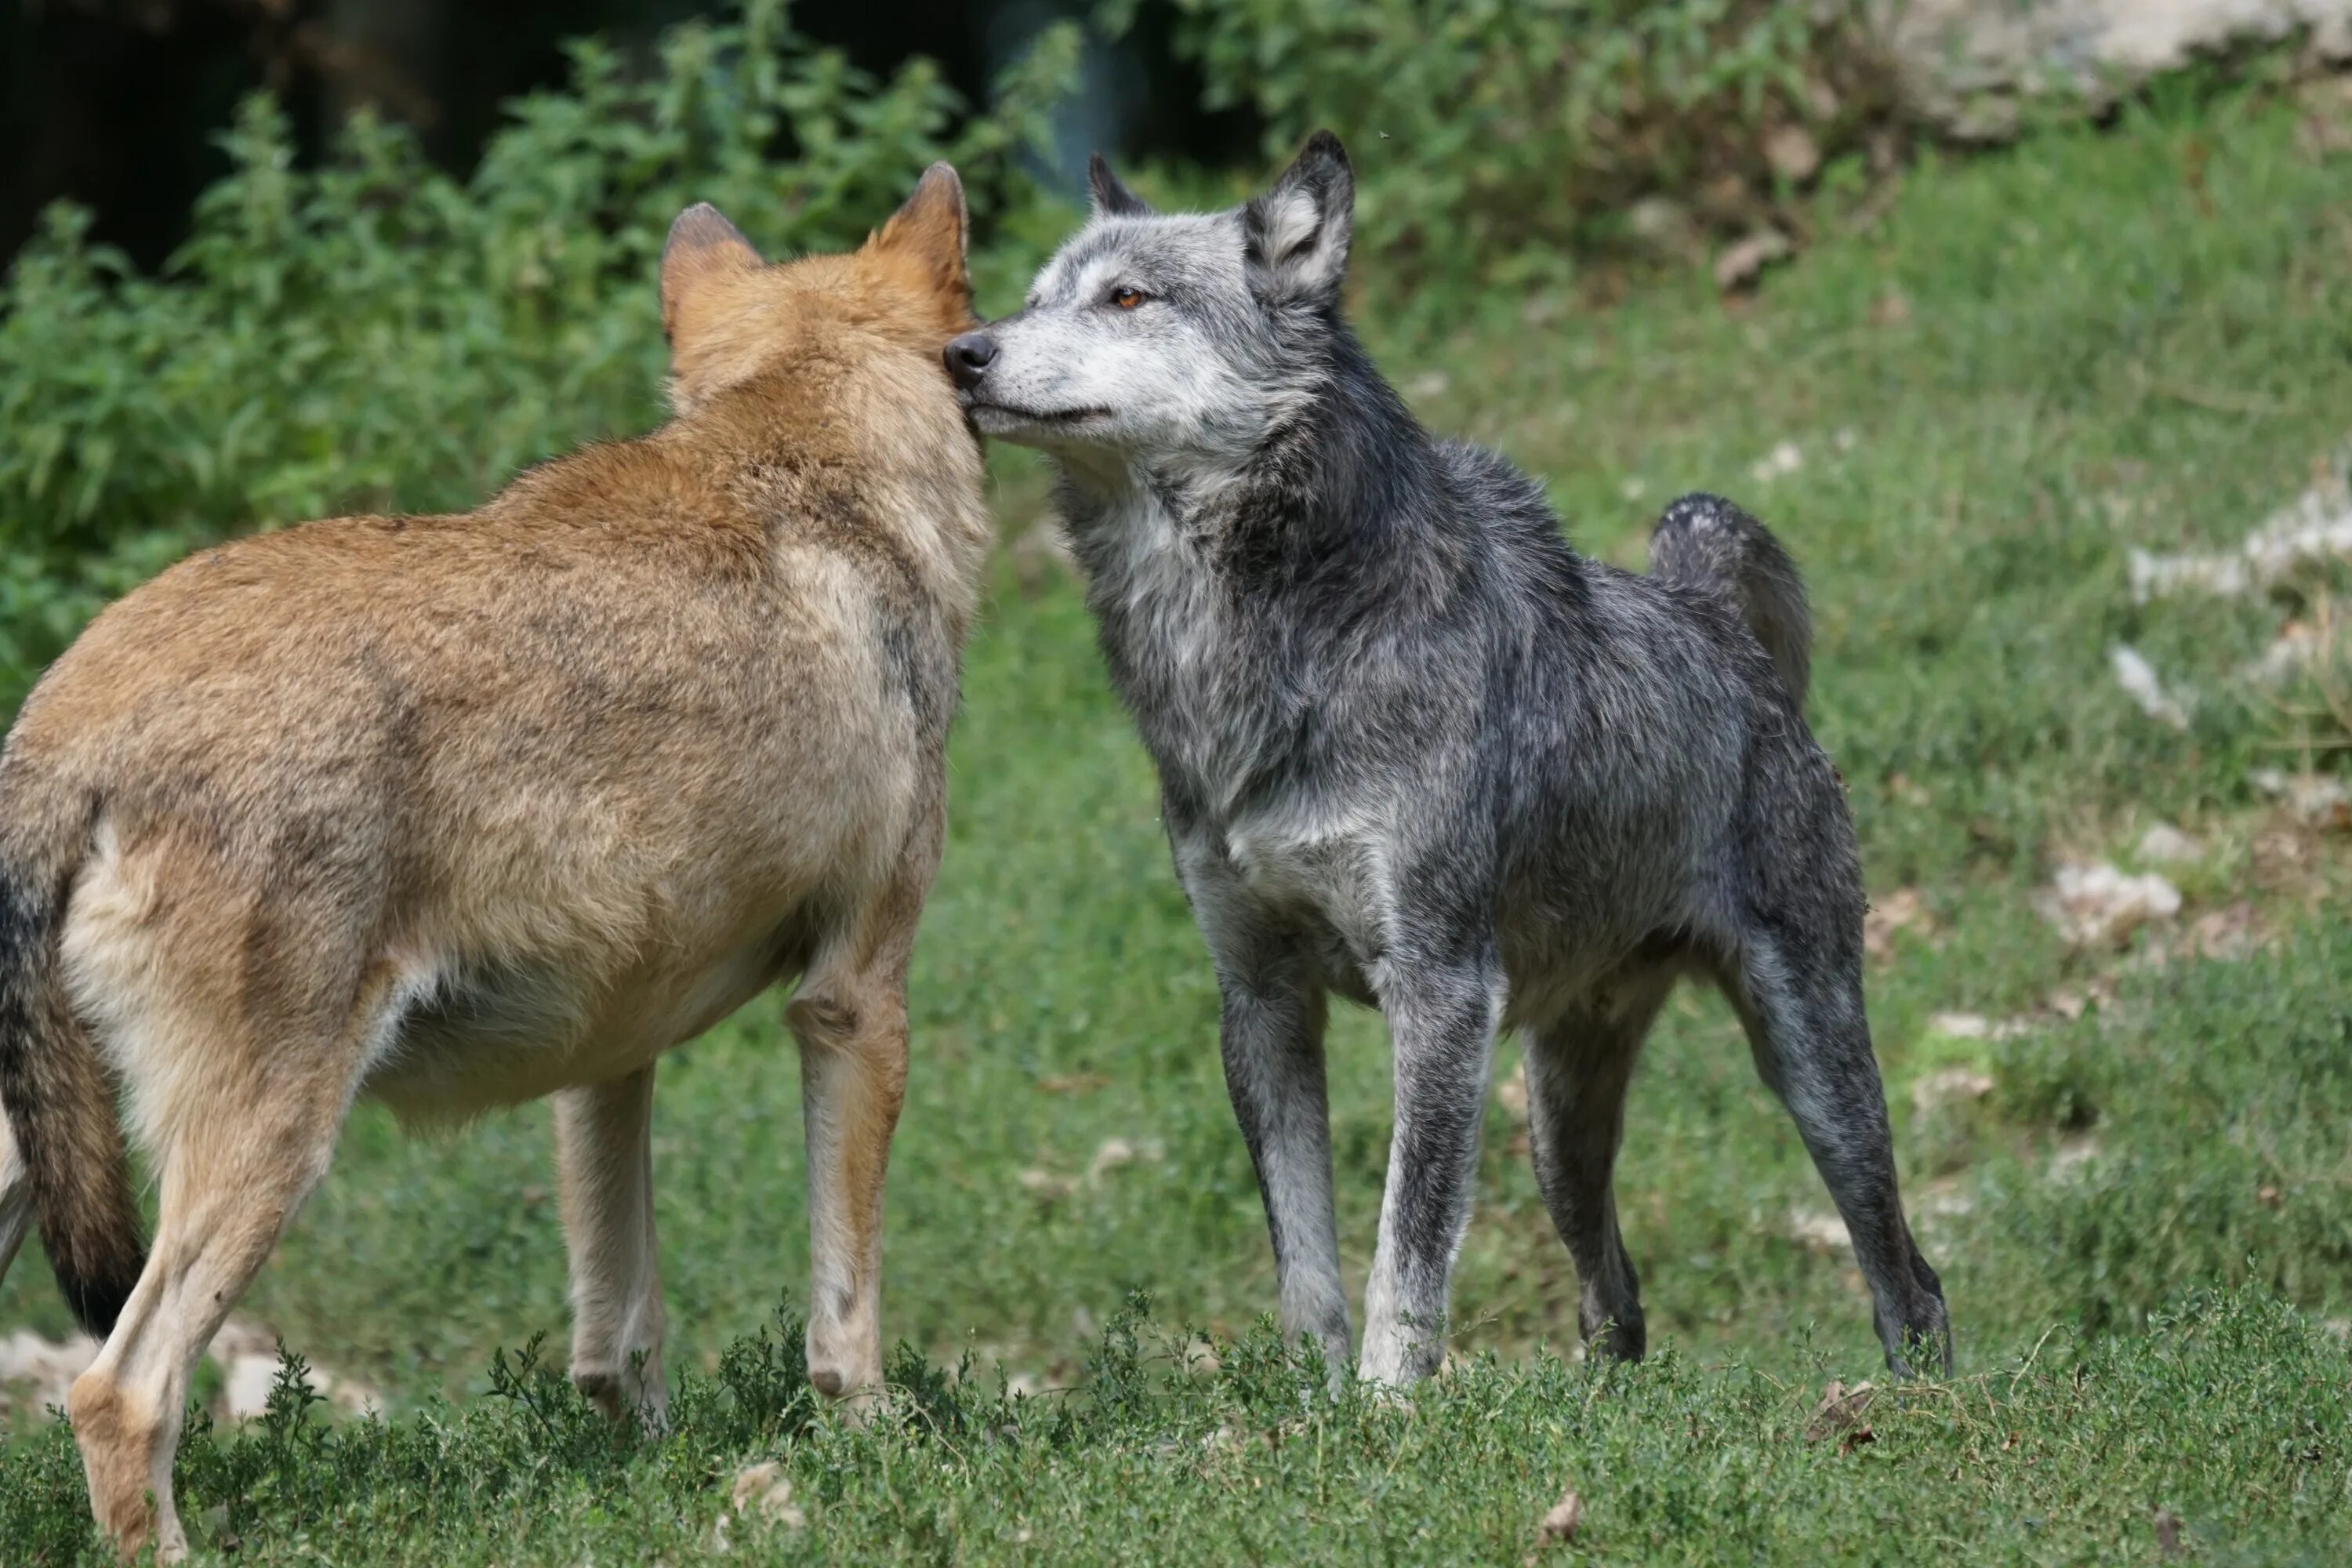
969 357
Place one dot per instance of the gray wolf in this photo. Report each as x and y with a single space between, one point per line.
1413 748
456 812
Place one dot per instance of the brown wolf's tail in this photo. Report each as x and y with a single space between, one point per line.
60 1105
1705 542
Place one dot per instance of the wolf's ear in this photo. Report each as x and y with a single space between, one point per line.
933 229
1296 234
1111 199
702 244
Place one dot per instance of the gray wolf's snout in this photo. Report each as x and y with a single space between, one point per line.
969 357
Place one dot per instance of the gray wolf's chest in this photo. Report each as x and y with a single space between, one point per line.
1209 699
1316 871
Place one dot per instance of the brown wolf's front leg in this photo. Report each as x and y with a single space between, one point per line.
604 1146
853 1038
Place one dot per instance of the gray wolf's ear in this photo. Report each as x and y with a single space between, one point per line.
1296 234
1111 199
701 244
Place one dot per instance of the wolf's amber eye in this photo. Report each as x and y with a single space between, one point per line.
1127 299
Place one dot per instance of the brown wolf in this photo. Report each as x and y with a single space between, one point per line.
460 811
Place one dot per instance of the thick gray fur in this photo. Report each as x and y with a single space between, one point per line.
1414 749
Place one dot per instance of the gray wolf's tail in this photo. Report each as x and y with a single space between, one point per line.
60 1106
1704 542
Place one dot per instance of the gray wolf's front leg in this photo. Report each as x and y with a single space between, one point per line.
1271 1015
1271 1038
1441 1019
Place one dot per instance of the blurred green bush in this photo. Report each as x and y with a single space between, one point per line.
377 333
1497 139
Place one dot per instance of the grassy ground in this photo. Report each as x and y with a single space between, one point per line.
2028 365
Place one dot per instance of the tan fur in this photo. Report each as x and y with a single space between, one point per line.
461 811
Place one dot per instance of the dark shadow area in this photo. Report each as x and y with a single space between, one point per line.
117 103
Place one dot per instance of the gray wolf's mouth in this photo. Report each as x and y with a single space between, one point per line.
1036 415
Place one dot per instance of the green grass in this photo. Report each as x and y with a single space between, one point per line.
2224 1424
2140 337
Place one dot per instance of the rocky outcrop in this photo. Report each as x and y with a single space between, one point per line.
1967 67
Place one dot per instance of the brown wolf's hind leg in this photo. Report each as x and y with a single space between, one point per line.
240 1164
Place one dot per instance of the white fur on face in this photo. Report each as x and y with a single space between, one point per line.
1079 376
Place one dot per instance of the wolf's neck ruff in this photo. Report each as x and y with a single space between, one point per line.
1233 597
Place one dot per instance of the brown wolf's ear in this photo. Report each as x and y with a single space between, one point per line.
701 244
932 229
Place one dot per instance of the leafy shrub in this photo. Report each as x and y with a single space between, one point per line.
379 333
1495 136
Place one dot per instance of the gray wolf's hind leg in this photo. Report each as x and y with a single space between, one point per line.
1578 1067
1802 1005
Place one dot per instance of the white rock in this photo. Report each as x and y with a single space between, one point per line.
1786 457
1975 1026
1899 910
2072 1155
1513 1092
1663 226
2140 681
1821 1231
764 1491
2098 905
2294 650
1046 1183
2315 526
1560 1524
1950 1086
1948 1204
246 1352
243 1337
1117 1152
2313 799
1739 265
46 1367
246 1383
2160 577
2165 845
1793 153
1966 66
